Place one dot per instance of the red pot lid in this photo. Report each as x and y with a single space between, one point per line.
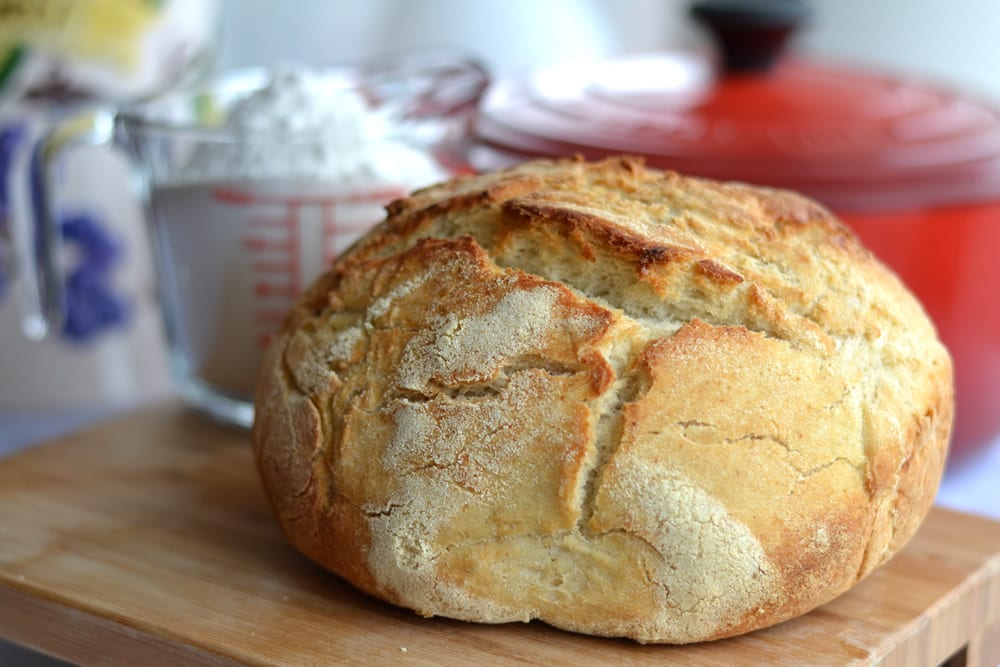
850 138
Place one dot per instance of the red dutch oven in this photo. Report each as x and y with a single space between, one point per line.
915 170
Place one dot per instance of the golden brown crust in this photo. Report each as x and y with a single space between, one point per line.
622 401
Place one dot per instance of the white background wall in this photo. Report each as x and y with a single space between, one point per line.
956 43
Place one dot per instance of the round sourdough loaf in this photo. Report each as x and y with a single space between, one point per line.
618 400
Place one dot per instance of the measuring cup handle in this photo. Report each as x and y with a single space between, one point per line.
36 240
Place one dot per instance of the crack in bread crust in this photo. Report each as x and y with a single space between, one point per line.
622 401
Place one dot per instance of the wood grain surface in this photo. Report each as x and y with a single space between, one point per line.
147 541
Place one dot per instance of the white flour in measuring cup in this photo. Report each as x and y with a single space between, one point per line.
243 227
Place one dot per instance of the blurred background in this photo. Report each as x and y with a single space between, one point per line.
51 386
953 43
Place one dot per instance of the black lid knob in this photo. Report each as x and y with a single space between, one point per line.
750 33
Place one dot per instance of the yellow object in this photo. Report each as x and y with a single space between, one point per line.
106 31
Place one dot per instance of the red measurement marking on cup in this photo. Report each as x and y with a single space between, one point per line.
262 243
335 228
266 289
330 232
280 267
273 239
271 315
266 223
294 242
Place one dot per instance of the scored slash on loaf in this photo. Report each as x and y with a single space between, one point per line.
621 401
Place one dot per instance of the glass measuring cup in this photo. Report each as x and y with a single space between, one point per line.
242 218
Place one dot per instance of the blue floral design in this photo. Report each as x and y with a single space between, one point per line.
92 305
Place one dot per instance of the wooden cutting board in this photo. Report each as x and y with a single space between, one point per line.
147 541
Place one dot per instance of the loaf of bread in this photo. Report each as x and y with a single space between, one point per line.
622 401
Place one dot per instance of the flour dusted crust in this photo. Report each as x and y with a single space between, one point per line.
621 401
